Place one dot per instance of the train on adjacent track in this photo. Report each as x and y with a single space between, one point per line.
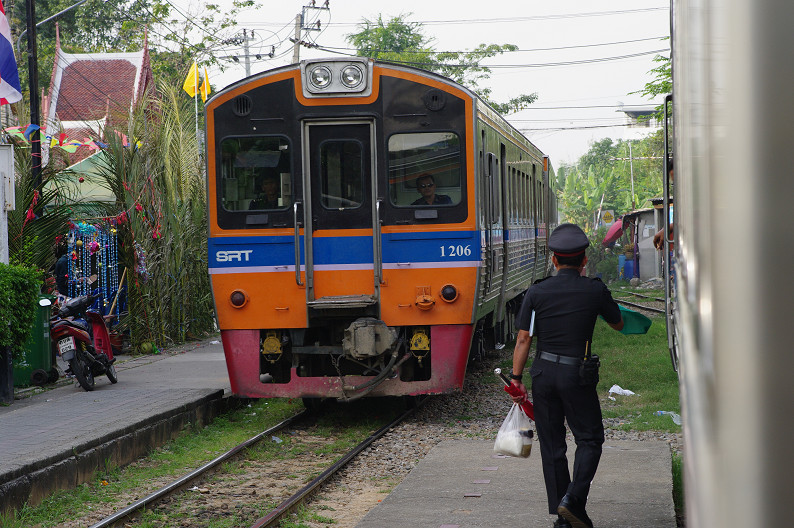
732 132
372 226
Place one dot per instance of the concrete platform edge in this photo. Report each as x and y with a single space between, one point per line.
74 466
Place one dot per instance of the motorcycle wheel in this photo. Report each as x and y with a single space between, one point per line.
111 373
82 372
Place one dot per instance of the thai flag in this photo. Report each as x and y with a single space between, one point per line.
10 89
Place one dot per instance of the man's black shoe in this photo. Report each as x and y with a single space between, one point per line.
571 509
561 523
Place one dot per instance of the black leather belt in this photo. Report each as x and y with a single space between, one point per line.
556 358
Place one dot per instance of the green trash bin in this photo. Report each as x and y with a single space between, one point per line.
35 366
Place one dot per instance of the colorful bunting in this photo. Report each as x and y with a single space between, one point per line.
62 141
31 128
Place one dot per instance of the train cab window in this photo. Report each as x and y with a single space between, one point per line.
342 174
425 169
255 174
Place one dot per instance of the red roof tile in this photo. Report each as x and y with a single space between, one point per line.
86 86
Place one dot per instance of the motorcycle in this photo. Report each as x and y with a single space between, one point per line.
80 336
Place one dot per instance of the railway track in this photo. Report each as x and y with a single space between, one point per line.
653 307
300 497
275 515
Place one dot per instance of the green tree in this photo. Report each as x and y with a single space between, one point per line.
602 179
399 40
662 83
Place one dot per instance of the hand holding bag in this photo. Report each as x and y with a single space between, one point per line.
515 436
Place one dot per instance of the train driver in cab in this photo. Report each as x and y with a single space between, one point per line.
426 185
269 195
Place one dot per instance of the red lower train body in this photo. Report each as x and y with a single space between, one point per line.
450 356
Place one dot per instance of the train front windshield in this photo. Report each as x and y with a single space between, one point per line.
424 153
255 173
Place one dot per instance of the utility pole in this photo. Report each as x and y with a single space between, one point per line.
244 42
245 49
300 19
296 46
33 81
631 165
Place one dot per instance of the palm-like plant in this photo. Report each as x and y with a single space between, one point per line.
41 213
160 192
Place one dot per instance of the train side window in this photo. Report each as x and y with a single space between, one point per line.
493 194
255 173
342 174
425 169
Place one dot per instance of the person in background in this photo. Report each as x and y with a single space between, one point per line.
658 238
426 185
62 269
268 198
561 311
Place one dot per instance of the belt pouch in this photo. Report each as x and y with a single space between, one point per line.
588 370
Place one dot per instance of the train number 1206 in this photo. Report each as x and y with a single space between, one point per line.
455 251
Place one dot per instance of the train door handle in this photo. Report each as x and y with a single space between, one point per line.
297 243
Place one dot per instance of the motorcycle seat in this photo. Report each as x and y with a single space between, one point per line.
82 325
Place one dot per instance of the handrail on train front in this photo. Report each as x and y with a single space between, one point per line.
378 245
297 244
667 237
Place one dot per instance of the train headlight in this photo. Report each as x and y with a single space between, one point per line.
449 293
352 76
238 298
348 77
320 77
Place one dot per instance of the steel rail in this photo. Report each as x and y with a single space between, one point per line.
172 487
641 307
301 495
659 299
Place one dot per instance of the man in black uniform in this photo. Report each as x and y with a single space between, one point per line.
561 311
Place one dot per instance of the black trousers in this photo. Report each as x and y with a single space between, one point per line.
558 395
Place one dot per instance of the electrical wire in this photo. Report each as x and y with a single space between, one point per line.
511 66
558 129
520 19
470 52
586 107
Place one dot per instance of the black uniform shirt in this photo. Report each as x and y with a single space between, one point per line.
566 307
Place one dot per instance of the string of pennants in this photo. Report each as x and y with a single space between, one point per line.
61 141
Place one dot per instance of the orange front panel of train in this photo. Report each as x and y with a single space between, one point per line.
273 300
414 296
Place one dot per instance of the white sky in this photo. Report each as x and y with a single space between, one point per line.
531 25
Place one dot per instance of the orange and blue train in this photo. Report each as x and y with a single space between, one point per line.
372 228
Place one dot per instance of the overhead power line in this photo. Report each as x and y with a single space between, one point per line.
572 128
504 66
470 52
617 106
519 19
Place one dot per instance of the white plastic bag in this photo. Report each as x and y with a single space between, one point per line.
515 436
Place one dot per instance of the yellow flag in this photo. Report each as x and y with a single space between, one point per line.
205 87
191 81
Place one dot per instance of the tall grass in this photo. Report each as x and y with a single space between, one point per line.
159 184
